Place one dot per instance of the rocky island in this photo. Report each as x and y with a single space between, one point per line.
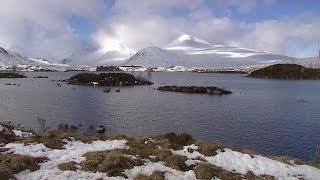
11 75
107 79
286 71
195 89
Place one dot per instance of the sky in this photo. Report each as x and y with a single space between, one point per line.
56 29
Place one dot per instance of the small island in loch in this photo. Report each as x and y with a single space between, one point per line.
107 79
11 75
286 71
195 89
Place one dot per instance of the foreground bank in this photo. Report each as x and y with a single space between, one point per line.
63 155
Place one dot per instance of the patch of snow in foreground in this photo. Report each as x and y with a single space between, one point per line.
171 174
234 161
22 133
74 151
227 159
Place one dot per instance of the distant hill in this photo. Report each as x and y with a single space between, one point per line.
286 71
189 51
118 55
9 59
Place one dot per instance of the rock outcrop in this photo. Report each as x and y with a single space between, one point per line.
107 79
286 71
195 89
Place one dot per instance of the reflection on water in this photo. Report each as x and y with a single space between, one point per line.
271 116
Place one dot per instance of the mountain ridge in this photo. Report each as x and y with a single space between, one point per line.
191 51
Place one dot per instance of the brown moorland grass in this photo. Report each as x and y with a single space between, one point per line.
208 149
54 139
68 166
12 164
176 141
207 172
112 162
177 162
51 140
287 160
156 175
7 135
162 154
149 146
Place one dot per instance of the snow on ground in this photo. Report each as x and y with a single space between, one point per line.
170 174
227 159
230 54
234 161
20 133
74 151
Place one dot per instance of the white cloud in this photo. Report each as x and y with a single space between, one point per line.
291 36
145 25
141 24
243 6
41 28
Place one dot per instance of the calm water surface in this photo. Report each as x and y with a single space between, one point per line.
265 115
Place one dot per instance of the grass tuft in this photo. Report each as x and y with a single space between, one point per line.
51 140
112 162
68 166
156 175
287 160
11 164
208 149
162 154
176 142
177 162
207 172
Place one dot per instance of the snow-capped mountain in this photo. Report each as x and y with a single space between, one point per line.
115 55
190 51
8 59
186 52
157 57
186 42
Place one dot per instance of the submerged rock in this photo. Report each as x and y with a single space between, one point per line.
286 71
107 79
100 129
106 90
40 77
195 89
